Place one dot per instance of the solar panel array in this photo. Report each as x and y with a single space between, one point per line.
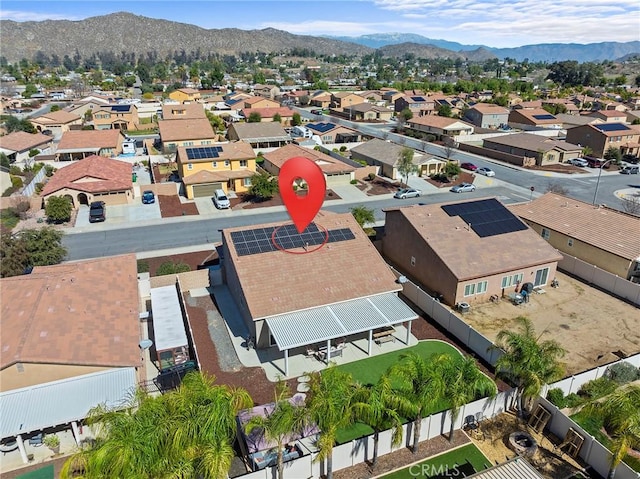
544 117
121 108
322 127
259 240
486 217
612 127
418 98
204 152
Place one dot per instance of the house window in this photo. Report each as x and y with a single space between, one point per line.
188 143
243 163
470 289
511 280
189 166
481 287
226 163
541 277
413 261
214 164
206 142
546 234
246 182
570 242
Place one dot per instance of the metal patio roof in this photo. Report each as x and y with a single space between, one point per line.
168 323
40 406
310 326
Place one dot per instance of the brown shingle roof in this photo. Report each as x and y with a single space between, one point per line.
278 282
192 129
83 313
327 164
469 256
22 141
604 228
94 174
75 139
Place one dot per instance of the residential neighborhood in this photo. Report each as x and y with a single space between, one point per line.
463 302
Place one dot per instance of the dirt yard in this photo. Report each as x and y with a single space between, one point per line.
594 327
170 205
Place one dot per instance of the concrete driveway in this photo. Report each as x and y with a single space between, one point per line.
118 214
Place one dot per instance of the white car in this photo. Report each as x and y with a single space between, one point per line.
486 171
579 162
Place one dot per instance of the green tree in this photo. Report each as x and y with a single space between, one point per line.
263 186
277 118
375 405
30 247
55 108
58 209
420 388
12 124
296 119
254 117
169 267
4 160
363 215
528 362
404 116
463 383
329 402
620 414
217 123
185 433
444 110
405 164
613 153
278 426
451 169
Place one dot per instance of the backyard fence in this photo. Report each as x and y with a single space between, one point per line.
30 189
610 282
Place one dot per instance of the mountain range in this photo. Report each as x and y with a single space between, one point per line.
126 32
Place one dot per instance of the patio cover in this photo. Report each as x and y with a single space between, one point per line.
168 323
40 406
93 149
291 330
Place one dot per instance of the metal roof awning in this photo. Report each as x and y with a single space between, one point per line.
92 149
168 323
37 407
291 330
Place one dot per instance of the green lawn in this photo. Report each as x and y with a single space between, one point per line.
454 463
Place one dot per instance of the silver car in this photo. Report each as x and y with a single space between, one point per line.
405 193
579 162
463 187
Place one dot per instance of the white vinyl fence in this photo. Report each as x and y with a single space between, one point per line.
30 189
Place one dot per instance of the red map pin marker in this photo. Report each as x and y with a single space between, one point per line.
302 209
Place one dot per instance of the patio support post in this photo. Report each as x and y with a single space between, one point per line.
408 332
76 432
23 451
370 341
328 350
286 362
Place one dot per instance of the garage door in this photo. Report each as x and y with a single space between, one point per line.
200 191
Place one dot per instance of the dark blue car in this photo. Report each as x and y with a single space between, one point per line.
148 197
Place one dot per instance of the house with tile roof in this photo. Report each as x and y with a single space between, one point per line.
487 115
226 166
367 112
545 151
95 178
266 91
259 135
79 144
609 116
183 111
598 235
185 94
466 251
334 133
336 172
56 122
116 117
267 114
420 105
384 155
600 137
529 119
569 121
439 126
192 132
320 98
18 144
259 102
293 290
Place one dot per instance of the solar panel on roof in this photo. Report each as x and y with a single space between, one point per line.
322 127
259 240
486 217
612 127
418 98
544 117
202 153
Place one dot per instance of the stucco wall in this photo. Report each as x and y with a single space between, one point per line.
189 280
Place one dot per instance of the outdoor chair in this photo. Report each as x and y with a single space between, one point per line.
472 426
311 353
36 440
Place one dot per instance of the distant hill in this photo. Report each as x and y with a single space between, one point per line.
549 52
431 51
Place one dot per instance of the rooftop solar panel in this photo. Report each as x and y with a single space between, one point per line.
612 127
202 153
322 127
120 108
418 98
486 217
544 117
259 240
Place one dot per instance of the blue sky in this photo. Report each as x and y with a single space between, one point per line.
495 23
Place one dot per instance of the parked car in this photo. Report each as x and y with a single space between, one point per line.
148 197
97 212
463 187
469 166
486 171
629 158
405 193
593 162
220 200
579 162
630 170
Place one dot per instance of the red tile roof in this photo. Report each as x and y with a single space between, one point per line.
22 141
283 111
57 117
181 130
94 174
327 164
83 313
75 139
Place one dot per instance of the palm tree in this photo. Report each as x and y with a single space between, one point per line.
527 362
329 402
285 419
421 387
185 433
620 413
463 383
375 406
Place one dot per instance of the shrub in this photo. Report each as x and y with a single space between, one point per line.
58 209
354 182
39 187
15 170
37 167
172 268
371 176
556 397
49 170
572 400
143 266
623 373
16 182
343 148
597 388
